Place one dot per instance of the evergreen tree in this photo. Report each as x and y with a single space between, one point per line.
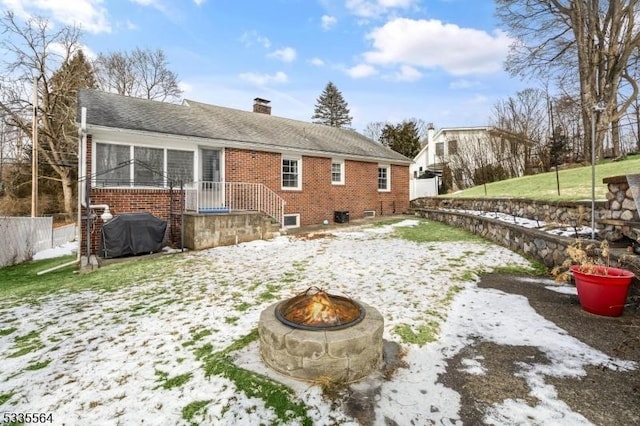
331 108
59 135
403 138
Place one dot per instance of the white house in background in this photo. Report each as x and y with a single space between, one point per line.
465 150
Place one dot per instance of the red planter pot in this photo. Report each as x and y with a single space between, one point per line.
603 292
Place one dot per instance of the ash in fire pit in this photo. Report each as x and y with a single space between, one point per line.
317 336
315 309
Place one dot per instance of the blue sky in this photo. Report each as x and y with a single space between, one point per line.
437 60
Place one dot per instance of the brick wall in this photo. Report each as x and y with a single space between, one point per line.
318 198
316 202
157 202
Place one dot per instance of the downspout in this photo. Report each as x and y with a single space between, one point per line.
82 170
85 187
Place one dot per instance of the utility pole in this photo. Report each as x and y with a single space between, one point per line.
597 108
34 152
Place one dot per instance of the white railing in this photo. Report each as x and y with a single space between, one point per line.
221 197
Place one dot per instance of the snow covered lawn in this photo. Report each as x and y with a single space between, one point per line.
153 352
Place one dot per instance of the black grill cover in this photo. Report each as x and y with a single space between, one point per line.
132 234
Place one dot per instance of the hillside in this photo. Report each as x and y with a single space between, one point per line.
575 183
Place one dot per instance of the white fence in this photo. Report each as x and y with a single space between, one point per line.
22 237
423 188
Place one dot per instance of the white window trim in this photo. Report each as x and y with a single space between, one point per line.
388 167
297 216
299 160
342 171
132 146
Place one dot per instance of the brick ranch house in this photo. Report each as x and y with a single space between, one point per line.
197 159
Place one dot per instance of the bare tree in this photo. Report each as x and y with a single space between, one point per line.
590 37
523 122
33 53
373 130
140 73
566 117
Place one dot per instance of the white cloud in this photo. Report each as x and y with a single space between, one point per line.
375 8
249 38
130 25
90 15
159 5
287 54
327 22
317 62
462 84
408 73
88 52
433 44
264 79
198 2
185 87
478 99
361 71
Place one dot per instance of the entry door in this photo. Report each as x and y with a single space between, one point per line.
212 187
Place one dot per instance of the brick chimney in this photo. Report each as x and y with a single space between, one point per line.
261 106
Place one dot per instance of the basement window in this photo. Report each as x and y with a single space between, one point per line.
292 220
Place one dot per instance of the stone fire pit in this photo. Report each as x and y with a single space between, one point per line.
331 350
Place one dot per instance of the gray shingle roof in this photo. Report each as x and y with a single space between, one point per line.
195 119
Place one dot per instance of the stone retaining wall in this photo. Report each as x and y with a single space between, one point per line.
565 213
542 246
539 245
620 218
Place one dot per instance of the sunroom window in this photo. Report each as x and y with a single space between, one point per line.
126 165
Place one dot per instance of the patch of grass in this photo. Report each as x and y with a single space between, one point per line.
451 293
424 334
289 277
275 395
231 320
38 365
196 336
4 397
23 280
242 307
201 334
269 293
28 343
432 231
467 276
300 265
194 408
172 382
204 351
535 269
543 186
7 331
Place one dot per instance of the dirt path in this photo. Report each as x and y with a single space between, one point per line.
603 396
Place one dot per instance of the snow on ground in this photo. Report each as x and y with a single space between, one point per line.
99 357
63 250
562 230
